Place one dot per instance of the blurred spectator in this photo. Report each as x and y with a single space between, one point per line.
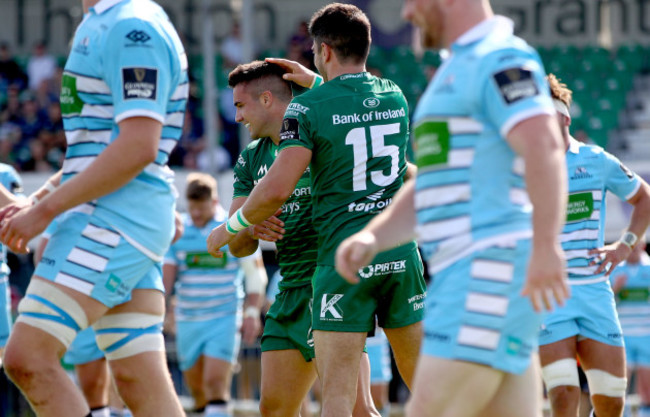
10 71
220 159
37 161
41 66
299 47
229 127
232 47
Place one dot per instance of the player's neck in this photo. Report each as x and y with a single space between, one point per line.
336 70
87 4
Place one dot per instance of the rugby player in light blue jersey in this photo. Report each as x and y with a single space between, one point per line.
11 184
488 150
209 294
631 284
123 97
587 326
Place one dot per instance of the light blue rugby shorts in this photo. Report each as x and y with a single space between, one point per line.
590 312
476 313
89 256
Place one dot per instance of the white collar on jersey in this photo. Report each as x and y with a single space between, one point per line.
104 5
574 145
496 23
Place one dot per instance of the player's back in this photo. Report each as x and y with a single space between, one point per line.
126 61
357 125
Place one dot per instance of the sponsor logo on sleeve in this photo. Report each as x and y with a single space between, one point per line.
290 129
139 83
516 84
138 37
627 171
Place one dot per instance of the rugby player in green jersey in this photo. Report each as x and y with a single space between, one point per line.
353 131
261 97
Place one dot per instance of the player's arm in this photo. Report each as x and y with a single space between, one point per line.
247 241
411 171
47 187
6 197
538 141
255 281
267 197
618 251
133 149
297 73
393 227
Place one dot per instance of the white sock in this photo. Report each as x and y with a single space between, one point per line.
217 410
101 412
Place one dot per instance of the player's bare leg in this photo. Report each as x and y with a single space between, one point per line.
94 381
364 405
405 342
564 399
143 380
442 387
282 369
610 359
338 355
37 369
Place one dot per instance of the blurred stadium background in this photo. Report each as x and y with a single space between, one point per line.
600 48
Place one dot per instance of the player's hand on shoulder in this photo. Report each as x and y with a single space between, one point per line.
354 253
546 282
296 72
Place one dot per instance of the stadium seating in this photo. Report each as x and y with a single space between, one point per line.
600 78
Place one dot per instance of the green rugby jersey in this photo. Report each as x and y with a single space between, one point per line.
356 125
297 250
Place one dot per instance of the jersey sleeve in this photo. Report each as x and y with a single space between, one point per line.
12 181
243 182
296 126
138 75
170 256
619 179
514 89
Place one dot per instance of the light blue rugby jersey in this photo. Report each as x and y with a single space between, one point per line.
470 188
14 184
633 301
592 172
206 287
126 60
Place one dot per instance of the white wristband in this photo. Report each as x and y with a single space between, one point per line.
236 223
49 186
316 82
629 239
252 311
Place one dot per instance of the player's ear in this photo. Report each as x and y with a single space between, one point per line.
266 98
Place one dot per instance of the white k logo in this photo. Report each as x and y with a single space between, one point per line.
329 306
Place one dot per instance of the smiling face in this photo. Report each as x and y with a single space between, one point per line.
251 110
428 17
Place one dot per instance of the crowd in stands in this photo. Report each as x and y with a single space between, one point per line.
31 127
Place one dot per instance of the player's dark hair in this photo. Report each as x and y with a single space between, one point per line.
200 187
559 90
345 28
263 76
